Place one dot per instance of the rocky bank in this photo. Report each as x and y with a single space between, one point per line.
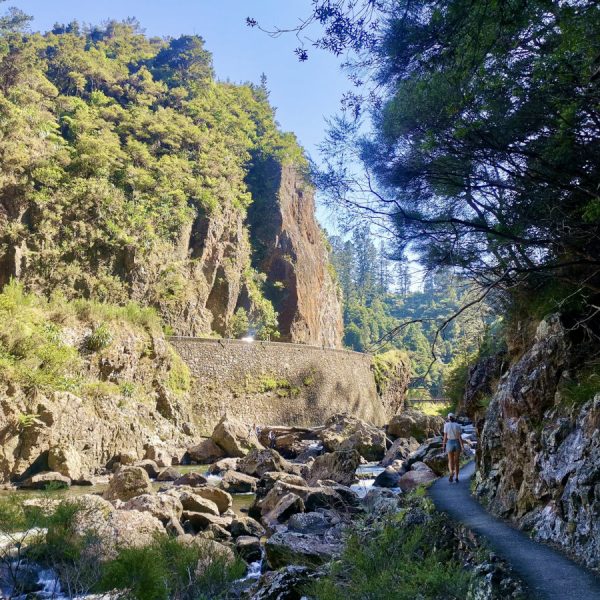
539 458
304 506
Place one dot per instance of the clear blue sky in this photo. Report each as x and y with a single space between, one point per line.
302 92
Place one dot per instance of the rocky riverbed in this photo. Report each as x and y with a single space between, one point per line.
284 510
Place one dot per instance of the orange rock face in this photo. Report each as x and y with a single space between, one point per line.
289 247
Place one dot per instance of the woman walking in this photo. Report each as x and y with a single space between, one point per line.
453 444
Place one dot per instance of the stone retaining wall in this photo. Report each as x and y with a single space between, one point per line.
276 383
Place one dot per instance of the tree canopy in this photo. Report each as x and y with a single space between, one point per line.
484 151
113 145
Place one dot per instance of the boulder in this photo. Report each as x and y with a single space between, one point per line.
290 548
380 501
162 506
289 505
414 478
414 423
201 520
127 483
308 522
114 529
288 583
210 549
343 432
290 442
349 497
196 503
248 548
401 449
258 462
246 526
268 480
205 452
222 499
234 437
421 452
127 457
437 460
174 528
225 464
238 483
336 466
191 479
67 461
313 498
388 478
327 497
168 474
160 455
42 481
149 466
217 532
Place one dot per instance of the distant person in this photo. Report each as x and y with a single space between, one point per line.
271 439
453 444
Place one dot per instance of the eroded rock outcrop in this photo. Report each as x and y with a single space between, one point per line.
290 249
414 423
539 458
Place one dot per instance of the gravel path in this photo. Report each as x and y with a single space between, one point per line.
549 574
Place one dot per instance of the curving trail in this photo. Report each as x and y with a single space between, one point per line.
549 574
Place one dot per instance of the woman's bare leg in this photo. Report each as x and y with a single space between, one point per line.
456 463
451 464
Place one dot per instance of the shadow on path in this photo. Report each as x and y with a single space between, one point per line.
549 574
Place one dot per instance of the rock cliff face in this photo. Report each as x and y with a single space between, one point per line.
290 250
124 405
539 460
198 281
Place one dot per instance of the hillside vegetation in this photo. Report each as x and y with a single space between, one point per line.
124 166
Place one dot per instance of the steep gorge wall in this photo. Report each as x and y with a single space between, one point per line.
289 248
277 383
539 459
130 173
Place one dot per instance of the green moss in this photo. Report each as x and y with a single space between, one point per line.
179 379
267 383
385 366
100 389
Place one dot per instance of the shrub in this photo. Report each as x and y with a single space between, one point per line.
179 379
31 351
167 570
239 325
582 388
395 561
100 338
127 389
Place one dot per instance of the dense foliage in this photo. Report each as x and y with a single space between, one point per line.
57 345
484 151
382 311
112 146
